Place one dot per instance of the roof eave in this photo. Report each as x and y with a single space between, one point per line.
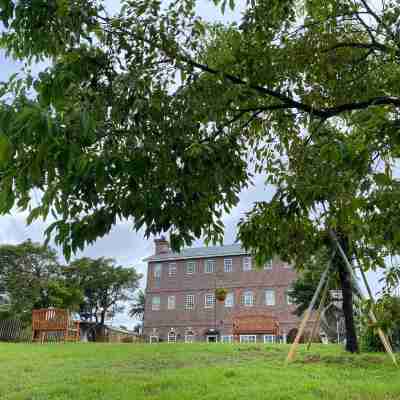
179 257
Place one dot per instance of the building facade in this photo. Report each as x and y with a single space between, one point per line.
180 295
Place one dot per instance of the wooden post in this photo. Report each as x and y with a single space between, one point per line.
382 336
318 316
293 347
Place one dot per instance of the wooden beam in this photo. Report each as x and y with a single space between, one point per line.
294 346
318 316
382 336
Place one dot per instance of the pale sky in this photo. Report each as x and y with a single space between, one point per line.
122 243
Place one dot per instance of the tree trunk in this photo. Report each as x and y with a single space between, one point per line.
347 294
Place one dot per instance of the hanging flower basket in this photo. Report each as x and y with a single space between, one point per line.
220 294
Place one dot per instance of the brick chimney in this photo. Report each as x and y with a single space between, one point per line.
161 245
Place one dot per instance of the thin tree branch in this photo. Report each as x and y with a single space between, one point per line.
287 102
358 45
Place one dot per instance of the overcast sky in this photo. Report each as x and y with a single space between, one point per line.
122 243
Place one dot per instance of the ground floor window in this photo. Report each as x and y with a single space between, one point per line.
154 339
212 338
172 337
227 339
189 338
269 338
248 338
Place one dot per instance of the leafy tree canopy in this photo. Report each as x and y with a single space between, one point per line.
104 285
31 278
155 115
137 307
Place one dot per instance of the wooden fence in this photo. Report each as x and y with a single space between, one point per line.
14 331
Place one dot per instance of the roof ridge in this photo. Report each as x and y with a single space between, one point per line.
200 252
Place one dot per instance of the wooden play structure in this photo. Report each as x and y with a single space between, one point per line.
54 325
256 323
323 287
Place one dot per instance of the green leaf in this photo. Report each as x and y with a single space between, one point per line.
382 179
5 150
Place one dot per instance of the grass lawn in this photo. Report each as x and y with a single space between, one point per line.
198 371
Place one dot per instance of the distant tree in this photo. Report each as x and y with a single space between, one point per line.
138 328
303 288
387 309
137 307
31 277
104 285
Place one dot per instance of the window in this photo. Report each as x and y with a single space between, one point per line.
209 300
209 266
268 265
248 298
247 264
190 267
189 338
155 303
228 265
189 335
189 302
269 338
248 338
172 269
229 300
289 300
171 337
157 271
286 265
270 297
171 302
227 339
154 339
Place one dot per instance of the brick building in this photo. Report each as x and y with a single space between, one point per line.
180 296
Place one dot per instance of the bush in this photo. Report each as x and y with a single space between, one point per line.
370 340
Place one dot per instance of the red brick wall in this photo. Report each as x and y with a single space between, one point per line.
200 283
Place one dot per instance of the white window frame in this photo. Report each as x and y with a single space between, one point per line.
247 263
172 269
231 296
246 338
269 339
212 336
267 300
171 337
192 269
157 271
154 339
246 296
171 302
289 301
209 300
207 264
226 339
268 265
155 306
189 305
189 338
228 265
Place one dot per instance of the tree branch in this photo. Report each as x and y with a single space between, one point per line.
358 45
286 101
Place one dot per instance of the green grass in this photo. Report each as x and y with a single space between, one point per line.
198 371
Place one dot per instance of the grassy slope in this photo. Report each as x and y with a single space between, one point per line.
179 372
